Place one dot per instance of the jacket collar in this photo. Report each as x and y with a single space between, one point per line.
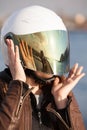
5 75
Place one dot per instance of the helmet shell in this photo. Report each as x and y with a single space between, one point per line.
33 20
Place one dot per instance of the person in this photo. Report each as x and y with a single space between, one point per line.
36 85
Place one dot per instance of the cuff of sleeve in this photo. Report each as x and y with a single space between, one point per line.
65 112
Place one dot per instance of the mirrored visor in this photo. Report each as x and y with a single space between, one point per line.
47 51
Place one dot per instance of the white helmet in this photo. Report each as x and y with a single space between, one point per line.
41 36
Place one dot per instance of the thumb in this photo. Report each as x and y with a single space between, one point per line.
56 85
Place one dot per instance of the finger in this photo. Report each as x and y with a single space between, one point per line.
79 70
10 45
11 52
63 79
11 55
8 42
17 56
56 81
73 70
78 77
56 85
73 82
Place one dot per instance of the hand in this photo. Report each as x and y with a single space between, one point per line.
14 61
27 55
60 90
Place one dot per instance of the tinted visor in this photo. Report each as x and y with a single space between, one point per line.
47 51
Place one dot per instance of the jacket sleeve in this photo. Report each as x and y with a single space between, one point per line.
75 114
65 113
9 107
72 115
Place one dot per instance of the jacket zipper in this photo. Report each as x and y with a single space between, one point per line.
21 101
39 116
58 116
40 121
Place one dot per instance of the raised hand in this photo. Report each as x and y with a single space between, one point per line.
15 66
27 55
60 90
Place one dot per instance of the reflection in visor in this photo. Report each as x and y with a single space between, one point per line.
44 51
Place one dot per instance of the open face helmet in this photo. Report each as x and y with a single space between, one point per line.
42 39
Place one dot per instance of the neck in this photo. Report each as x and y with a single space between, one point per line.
32 84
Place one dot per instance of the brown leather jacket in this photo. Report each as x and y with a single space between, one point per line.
16 111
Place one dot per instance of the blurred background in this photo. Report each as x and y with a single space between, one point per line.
74 15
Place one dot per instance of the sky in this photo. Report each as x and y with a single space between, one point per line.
69 7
